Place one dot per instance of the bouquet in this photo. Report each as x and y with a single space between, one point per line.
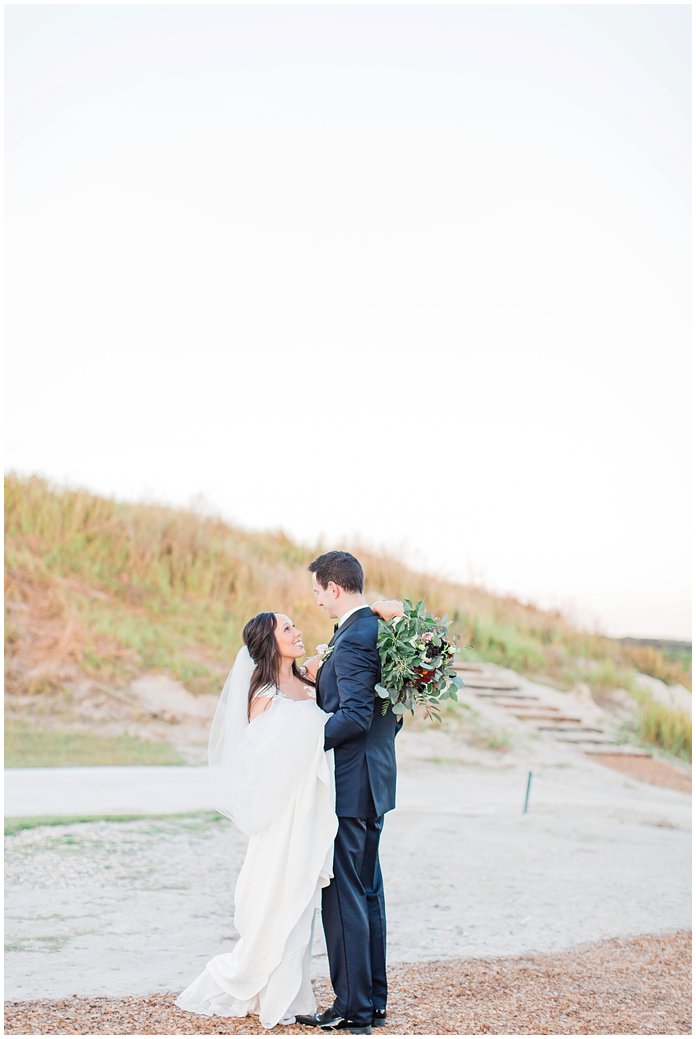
416 654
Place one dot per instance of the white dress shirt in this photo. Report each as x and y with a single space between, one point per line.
355 609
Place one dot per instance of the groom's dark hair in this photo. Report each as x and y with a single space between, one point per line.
340 567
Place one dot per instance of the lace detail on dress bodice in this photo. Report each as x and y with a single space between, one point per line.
271 693
266 693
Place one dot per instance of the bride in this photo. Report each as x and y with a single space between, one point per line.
273 778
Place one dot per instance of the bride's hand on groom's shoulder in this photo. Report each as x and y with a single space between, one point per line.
312 665
388 609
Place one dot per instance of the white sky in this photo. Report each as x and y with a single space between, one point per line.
418 275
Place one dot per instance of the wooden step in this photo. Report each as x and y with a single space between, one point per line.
588 741
534 709
474 683
546 718
618 751
514 706
484 694
568 728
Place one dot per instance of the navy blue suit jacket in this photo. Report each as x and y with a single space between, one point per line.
362 738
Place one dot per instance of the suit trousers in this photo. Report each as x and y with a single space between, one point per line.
355 922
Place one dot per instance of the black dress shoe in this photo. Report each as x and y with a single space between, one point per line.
326 1019
379 1018
329 1020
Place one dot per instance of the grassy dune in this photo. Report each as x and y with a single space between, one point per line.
104 590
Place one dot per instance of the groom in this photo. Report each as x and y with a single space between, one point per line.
362 739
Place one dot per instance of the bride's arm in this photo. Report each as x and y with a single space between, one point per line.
310 667
388 609
259 705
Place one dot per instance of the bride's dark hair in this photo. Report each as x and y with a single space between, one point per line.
259 639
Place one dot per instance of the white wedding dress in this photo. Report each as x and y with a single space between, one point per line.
288 811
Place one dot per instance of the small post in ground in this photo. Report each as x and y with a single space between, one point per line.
526 796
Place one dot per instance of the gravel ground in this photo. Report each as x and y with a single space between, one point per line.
649 770
621 986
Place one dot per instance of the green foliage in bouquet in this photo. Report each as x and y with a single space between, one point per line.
416 654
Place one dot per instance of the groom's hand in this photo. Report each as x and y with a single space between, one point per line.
387 609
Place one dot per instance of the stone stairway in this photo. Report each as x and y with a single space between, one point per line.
494 686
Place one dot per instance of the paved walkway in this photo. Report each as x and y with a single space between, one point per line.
106 791
174 789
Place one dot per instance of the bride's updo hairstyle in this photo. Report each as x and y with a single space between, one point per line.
259 639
